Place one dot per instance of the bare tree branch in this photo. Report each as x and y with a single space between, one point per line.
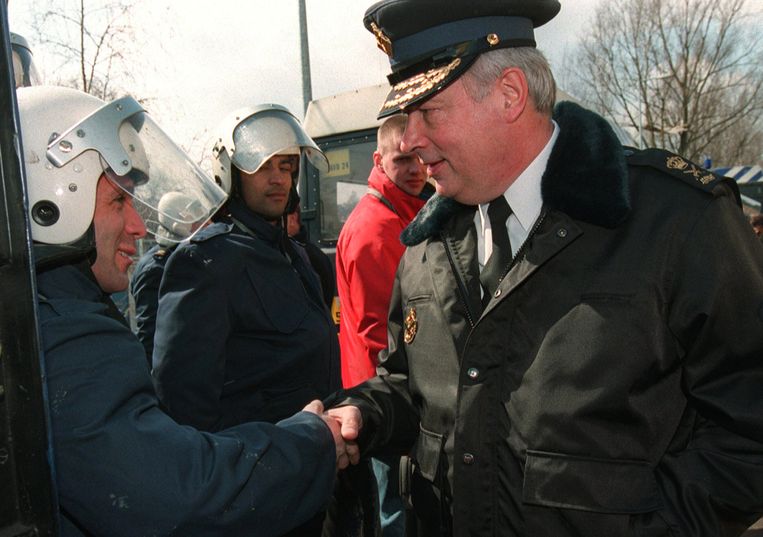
96 36
685 75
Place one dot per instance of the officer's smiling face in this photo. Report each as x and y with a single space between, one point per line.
461 142
117 227
266 191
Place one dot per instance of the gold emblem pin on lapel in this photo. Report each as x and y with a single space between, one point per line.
411 325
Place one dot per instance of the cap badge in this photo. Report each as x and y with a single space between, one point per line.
493 39
411 325
382 41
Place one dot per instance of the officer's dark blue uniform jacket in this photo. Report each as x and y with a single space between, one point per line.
242 331
123 467
144 287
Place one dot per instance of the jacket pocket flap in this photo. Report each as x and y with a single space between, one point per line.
426 453
283 305
588 484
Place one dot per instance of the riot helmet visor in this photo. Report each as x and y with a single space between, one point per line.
137 156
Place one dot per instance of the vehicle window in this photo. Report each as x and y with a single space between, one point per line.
344 184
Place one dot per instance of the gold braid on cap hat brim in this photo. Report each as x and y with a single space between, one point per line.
417 85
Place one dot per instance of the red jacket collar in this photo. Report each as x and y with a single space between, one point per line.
406 205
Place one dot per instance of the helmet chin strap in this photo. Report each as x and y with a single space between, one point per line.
49 256
235 182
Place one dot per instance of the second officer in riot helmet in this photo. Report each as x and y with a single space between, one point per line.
242 331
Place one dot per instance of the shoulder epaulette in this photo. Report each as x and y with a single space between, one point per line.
678 167
212 230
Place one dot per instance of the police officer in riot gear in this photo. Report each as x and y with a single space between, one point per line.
242 331
147 275
96 172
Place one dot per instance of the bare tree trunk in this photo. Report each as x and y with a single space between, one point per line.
82 60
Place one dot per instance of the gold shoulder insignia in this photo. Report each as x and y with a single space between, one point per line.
678 167
676 163
707 178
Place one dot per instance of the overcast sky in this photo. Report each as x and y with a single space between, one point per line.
204 59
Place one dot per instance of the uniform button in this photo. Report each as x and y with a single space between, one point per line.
468 459
473 373
561 232
497 293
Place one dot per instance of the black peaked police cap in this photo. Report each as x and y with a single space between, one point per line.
430 43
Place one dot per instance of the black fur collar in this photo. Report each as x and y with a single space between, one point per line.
586 177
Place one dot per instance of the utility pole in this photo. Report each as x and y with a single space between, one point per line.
307 85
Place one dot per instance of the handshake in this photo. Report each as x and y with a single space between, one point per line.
345 423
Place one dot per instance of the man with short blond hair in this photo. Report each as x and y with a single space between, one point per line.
367 255
369 249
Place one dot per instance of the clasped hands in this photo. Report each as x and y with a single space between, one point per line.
345 424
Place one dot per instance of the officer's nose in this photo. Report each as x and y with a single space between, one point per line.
412 136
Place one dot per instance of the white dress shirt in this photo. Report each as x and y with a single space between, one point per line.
524 198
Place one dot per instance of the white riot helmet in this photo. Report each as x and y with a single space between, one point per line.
249 137
71 139
179 216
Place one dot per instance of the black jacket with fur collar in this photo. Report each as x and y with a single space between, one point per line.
611 386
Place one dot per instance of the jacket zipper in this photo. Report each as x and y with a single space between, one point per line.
459 280
523 247
461 285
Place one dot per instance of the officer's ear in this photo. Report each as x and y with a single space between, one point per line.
378 160
513 92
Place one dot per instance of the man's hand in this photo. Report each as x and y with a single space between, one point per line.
351 423
343 458
315 407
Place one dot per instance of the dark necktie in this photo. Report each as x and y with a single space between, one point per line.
495 267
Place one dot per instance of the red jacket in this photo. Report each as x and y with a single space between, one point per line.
367 255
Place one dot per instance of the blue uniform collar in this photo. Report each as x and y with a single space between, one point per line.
255 224
76 281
